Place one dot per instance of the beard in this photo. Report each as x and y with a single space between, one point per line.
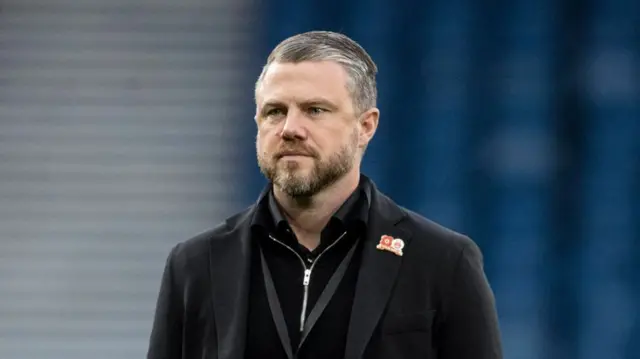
290 178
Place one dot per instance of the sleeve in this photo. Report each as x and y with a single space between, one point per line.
470 328
166 331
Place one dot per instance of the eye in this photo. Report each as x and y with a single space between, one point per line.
316 110
274 112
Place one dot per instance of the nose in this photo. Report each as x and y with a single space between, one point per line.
294 127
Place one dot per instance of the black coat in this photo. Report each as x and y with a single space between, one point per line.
432 302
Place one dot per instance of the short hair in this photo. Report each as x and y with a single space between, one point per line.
332 46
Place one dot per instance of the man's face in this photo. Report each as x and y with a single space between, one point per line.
308 132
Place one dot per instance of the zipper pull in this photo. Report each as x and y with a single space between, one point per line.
307 277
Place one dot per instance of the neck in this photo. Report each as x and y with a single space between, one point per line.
308 216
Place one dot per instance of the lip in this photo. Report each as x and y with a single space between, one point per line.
292 154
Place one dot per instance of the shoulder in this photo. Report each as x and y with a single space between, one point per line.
435 243
193 251
434 235
440 252
427 239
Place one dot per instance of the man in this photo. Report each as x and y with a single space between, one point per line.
323 265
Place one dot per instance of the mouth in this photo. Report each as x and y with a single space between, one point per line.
291 155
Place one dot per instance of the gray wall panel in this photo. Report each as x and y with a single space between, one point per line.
117 140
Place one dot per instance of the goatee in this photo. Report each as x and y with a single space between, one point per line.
288 177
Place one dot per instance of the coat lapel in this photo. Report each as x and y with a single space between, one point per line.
377 274
230 260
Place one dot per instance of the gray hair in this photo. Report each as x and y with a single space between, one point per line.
331 46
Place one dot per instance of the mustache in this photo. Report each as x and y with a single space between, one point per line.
298 150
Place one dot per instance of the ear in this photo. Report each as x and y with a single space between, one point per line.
368 123
256 117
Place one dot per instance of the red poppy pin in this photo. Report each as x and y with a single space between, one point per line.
393 245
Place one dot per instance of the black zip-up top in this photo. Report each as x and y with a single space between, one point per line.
299 276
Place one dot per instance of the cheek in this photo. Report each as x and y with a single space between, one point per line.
342 139
264 142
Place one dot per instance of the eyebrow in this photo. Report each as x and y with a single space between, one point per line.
320 101
271 104
315 101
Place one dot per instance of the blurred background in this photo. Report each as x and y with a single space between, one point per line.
126 126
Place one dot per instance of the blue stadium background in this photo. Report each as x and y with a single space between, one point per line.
126 127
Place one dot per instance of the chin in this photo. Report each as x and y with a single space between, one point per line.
296 174
294 165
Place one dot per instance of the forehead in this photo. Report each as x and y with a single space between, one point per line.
295 82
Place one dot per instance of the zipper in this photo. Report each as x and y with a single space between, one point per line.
306 279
